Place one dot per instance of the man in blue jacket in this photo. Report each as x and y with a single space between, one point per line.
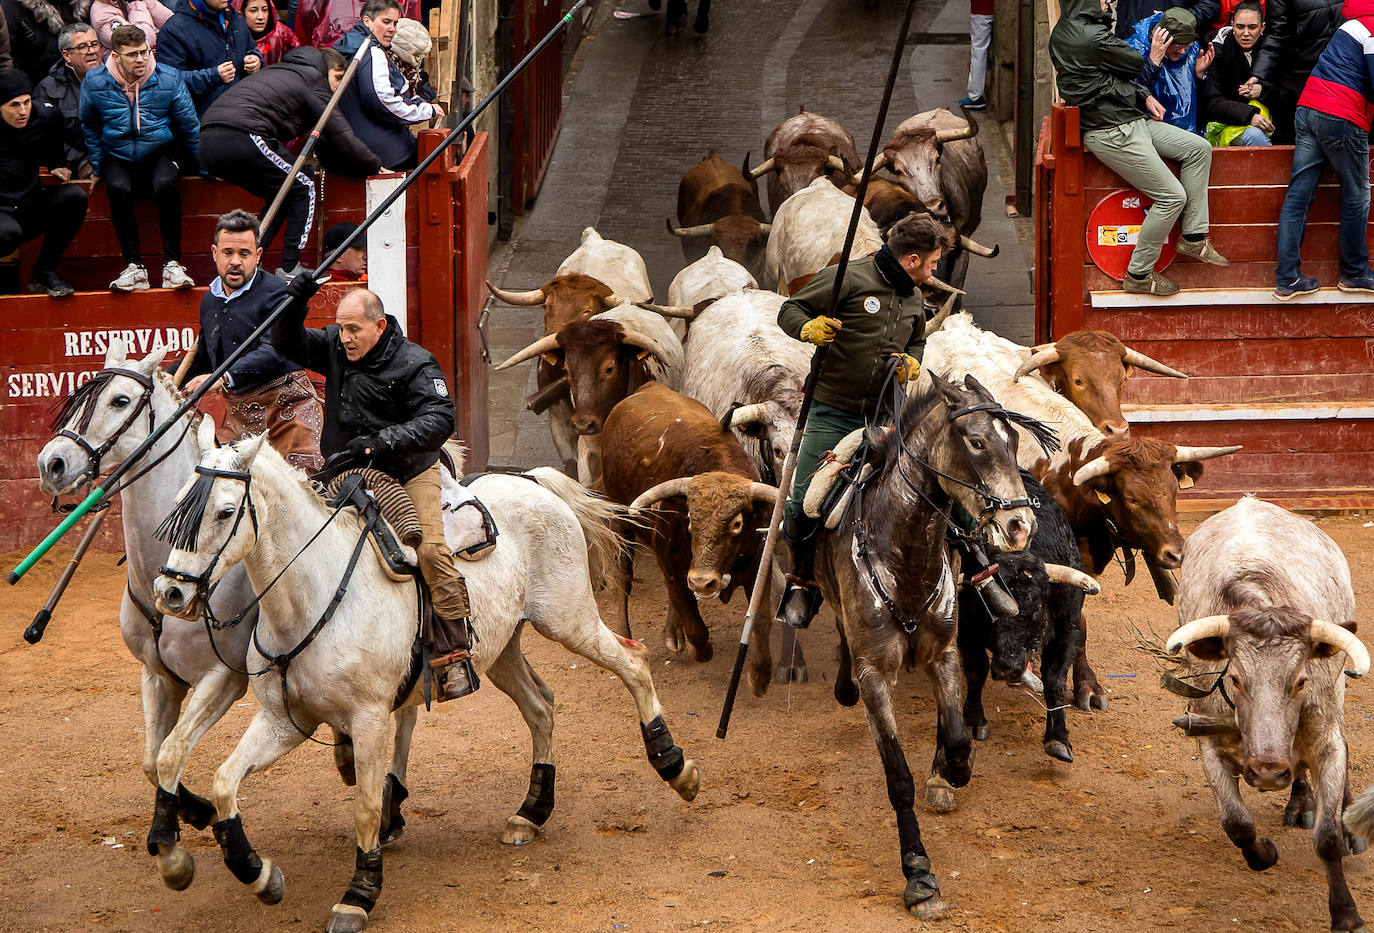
379 103
209 43
138 120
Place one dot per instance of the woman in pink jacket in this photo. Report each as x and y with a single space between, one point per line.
148 15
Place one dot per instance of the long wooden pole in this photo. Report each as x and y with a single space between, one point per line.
789 468
265 221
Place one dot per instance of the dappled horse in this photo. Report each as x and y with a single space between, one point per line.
318 658
887 570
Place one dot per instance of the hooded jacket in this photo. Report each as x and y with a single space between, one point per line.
1230 70
195 41
1175 82
276 40
377 104
60 93
396 393
148 15
1096 70
23 152
283 101
33 26
1342 82
159 115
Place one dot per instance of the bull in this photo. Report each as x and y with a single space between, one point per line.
718 206
710 277
888 202
1266 596
1118 492
801 149
700 499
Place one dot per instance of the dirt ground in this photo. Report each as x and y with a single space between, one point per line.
792 829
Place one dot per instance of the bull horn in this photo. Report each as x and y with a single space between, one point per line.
1198 629
519 299
1099 466
764 228
938 320
664 490
949 136
1194 454
634 338
685 312
933 282
1342 639
762 492
978 249
1141 361
1059 573
612 300
1038 358
546 344
763 168
696 230
835 164
756 413
879 161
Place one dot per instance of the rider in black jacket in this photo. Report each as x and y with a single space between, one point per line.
387 404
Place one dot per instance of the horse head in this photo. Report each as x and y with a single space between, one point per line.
101 422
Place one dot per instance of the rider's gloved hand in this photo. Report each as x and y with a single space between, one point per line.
820 330
907 366
301 289
363 448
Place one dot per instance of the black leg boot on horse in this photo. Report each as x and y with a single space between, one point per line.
801 599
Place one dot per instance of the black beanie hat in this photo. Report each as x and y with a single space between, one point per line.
334 237
14 84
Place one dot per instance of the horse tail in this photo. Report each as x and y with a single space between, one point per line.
596 514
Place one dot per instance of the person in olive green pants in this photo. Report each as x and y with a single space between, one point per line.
880 314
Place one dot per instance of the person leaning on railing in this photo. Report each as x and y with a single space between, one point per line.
1099 74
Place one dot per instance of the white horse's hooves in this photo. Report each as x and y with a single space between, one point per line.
688 781
518 832
345 918
177 867
271 884
939 795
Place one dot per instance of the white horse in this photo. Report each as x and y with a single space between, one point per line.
247 505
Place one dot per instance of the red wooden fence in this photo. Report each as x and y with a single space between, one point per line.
537 93
1293 382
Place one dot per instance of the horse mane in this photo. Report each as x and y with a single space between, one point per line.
919 403
178 397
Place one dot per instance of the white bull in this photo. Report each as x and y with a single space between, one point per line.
808 233
711 276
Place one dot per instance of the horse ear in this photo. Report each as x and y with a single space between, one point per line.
977 387
116 355
205 434
249 448
150 363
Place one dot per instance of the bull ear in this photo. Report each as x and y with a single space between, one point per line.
1324 650
1208 649
1187 473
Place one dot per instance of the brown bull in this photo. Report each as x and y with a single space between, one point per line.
802 148
699 497
1089 367
717 205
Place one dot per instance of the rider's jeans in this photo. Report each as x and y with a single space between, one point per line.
436 561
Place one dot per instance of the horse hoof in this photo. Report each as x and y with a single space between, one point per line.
939 795
271 884
846 693
1059 750
688 781
703 652
1304 818
759 681
1262 855
345 918
177 867
1354 845
1098 701
981 732
922 897
518 832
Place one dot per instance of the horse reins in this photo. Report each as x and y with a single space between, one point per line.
95 455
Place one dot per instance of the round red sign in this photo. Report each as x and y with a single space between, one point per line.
1114 228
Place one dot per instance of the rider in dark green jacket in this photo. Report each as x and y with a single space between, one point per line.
880 314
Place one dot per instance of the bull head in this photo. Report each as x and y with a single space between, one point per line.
603 361
566 298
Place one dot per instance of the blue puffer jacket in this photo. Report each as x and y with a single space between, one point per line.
196 40
115 127
378 106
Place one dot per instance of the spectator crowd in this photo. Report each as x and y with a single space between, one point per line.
138 95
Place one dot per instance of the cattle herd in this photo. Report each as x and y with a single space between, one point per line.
683 412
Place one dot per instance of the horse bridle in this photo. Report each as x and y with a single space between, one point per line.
204 589
95 455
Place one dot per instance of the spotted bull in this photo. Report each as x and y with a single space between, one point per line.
802 148
718 206
1267 609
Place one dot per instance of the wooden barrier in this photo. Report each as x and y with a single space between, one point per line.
52 345
1292 381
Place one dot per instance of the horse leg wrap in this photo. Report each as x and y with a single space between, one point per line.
663 754
165 830
239 856
194 808
394 794
367 881
539 801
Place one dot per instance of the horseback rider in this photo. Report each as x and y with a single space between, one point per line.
880 315
388 405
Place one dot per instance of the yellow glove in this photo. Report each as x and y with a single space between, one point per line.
907 366
820 330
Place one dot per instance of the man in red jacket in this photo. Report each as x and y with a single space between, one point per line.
1332 128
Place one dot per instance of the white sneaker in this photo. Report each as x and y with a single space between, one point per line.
174 275
134 278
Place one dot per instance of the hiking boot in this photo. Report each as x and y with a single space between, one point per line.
973 103
286 275
1201 250
134 278
52 283
174 275
1302 285
1152 284
1359 283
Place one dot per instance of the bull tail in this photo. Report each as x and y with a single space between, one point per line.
1359 816
595 514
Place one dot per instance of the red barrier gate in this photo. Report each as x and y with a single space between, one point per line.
1292 382
537 95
